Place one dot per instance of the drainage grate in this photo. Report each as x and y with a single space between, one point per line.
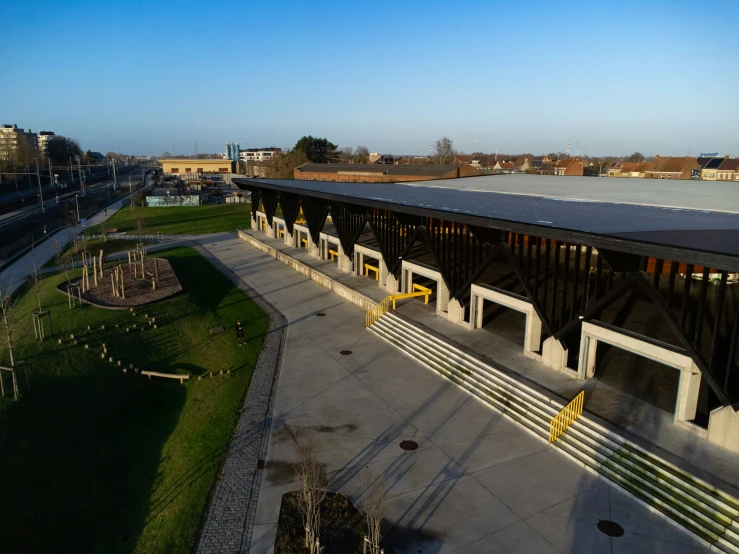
320 314
610 528
346 352
408 445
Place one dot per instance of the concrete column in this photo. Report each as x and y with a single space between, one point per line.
478 307
344 261
442 297
313 248
392 285
456 312
288 238
687 394
723 427
586 364
383 271
253 222
532 340
554 354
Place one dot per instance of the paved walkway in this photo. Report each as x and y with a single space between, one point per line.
642 422
477 483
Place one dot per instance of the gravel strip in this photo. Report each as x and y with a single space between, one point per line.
230 520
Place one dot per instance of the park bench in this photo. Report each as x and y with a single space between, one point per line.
149 374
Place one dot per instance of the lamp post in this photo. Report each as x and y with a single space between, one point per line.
76 201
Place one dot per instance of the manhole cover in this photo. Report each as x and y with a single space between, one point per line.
408 445
345 352
610 528
320 314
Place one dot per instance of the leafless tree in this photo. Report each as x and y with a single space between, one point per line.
312 493
62 261
444 150
140 225
361 155
7 305
373 499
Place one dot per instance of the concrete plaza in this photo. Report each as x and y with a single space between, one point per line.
476 483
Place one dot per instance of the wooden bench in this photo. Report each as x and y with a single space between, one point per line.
368 268
149 374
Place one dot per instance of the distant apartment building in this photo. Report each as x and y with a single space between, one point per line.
43 141
11 136
381 173
259 154
569 166
232 151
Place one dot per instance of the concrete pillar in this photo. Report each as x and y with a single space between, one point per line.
586 364
313 248
687 394
270 230
359 263
723 427
456 312
476 310
253 223
392 284
383 271
442 297
532 340
344 261
554 354
288 238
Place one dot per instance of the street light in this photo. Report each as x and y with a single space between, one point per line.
77 202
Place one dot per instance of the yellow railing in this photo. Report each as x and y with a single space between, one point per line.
368 268
373 314
333 254
566 417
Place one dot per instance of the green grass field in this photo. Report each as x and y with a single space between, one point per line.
92 460
181 220
111 246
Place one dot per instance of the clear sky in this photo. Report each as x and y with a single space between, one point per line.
659 77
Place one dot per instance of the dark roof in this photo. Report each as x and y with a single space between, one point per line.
703 237
730 164
405 170
713 163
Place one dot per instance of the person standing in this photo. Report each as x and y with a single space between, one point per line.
239 332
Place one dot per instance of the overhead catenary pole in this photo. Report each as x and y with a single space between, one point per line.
40 192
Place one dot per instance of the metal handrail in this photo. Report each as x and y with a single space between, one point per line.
383 307
566 417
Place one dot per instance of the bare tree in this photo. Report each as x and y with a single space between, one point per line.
373 499
314 485
62 261
7 304
444 150
140 225
361 155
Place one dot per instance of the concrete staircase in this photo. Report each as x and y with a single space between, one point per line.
697 506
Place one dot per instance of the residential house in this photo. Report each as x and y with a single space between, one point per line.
542 163
672 167
569 166
710 168
503 167
728 170
522 166
629 169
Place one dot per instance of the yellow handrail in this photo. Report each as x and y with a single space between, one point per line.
368 268
333 254
566 417
373 314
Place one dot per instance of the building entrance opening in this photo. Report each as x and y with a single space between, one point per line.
504 322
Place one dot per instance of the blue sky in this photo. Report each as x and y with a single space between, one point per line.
657 77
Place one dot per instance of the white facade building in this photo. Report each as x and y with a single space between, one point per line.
257 155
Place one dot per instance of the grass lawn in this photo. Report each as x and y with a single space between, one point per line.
181 220
110 246
92 460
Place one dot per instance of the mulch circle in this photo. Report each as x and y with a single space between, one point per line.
408 445
610 528
346 352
